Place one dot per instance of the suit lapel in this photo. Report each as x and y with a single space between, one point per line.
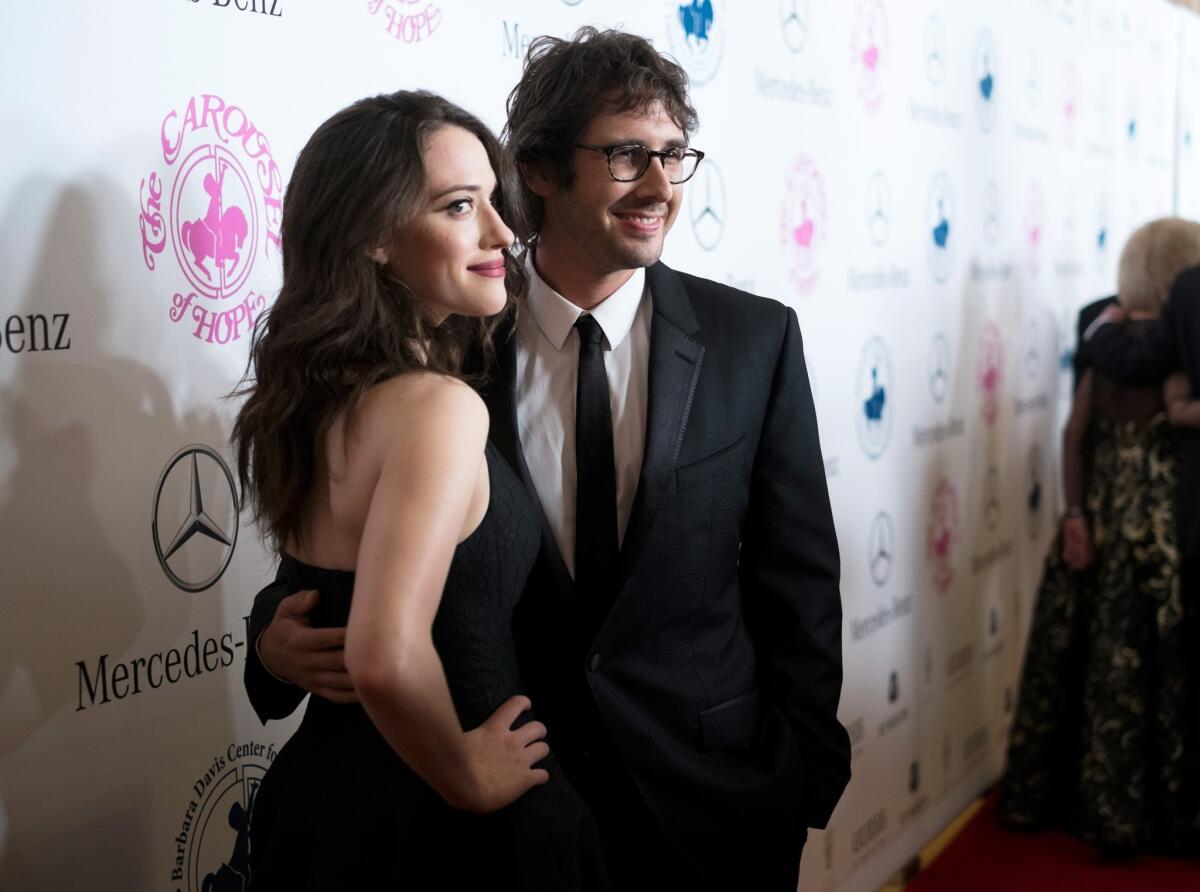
673 371
500 395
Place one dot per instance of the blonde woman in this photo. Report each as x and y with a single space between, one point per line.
1098 740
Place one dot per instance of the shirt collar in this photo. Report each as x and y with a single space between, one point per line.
555 315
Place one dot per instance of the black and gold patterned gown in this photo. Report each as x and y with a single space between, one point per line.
1099 739
338 809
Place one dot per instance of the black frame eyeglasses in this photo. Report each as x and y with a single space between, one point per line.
637 158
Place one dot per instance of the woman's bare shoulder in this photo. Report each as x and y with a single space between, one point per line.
419 409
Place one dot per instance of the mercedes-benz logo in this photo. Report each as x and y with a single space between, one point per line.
935 50
939 368
1032 78
196 504
991 498
706 206
1032 356
793 23
879 207
991 212
880 548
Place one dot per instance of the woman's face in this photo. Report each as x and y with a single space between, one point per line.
449 253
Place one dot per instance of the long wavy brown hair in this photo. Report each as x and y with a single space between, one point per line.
343 322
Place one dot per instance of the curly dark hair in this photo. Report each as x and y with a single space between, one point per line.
343 322
564 85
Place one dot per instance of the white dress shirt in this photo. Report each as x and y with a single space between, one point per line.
547 372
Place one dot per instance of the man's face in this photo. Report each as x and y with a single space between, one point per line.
611 225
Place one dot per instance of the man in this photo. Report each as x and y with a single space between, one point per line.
680 634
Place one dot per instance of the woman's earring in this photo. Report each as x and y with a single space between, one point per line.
380 256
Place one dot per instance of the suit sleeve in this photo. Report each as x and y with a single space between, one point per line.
1139 361
789 573
270 697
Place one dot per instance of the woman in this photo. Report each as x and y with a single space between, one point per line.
364 454
1098 739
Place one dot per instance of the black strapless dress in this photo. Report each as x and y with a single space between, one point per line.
338 809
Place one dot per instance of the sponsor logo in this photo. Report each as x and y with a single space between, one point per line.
219 218
983 71
939 222
880 544
194 520
1131 121
697 30
793 23
407 21
878 217
893 691
975 744
941 535
989 371
1034 491
1035 228
36 333
869 833
878 208
863 627
992 511
869 51
873 398
802 222
1100 241
991 498
933 46
900 716
706 205
212 847
262 7
1069 104
857 731
958 663
1033 79
991 213
937 365
106 682
914 776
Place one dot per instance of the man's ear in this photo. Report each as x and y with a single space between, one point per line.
379 255
536 179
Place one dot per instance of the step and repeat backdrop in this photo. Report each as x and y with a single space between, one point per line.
936 187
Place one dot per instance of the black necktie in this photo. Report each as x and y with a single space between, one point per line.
596 549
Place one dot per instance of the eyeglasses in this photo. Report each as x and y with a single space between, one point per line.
628 163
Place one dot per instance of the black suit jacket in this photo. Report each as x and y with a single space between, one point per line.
717 671
1169 343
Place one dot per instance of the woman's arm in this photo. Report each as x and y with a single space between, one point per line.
1182 410
1077 545
426 437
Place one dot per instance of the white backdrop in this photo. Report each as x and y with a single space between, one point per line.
935 186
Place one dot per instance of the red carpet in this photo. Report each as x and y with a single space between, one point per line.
984 857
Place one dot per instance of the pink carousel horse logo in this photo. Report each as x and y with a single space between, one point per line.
218 218
1035 228
869 51
941 533
802 222
989 370
218 235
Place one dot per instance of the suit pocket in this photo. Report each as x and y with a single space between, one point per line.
731 722
710 466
